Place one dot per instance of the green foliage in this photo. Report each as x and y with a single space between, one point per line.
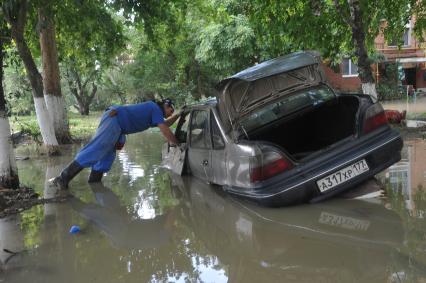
96 43
180 49
388 85
31 221
322 25
81 127
86 47
226 46
419 12
17 90
29 128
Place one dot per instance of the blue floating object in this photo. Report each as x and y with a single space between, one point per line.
74 229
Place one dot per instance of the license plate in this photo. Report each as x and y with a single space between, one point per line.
343 221
342 175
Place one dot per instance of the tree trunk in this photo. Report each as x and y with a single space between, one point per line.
8 169
358 39
83 108
51 77
47 130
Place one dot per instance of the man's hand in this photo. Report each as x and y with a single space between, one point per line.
168 134
181 110
169 121
119 146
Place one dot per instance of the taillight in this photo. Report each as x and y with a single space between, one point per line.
374 118
267 165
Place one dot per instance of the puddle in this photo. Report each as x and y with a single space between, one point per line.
144 224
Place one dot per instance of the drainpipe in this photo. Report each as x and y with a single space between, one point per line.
377 73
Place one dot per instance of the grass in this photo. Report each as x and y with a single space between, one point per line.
81 127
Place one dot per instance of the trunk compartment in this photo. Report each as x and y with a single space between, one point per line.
313 129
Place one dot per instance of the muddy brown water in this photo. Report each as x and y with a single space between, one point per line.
413 105
146 225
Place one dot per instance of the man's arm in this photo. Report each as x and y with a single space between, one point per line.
169 121
167 133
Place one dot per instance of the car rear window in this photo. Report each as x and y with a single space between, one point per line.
286 106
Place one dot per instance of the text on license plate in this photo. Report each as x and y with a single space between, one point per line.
342 175
343 221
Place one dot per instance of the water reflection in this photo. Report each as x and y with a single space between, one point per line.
131 169
11 244
408 177
338 240
124 231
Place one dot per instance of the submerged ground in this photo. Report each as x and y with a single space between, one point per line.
145 225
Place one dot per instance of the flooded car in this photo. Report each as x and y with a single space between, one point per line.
279 135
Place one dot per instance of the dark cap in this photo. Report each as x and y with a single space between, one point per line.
168 102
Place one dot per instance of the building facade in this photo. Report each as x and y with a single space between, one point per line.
410 57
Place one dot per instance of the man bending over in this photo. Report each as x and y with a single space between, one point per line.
116 123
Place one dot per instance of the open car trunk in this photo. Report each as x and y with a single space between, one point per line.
312 129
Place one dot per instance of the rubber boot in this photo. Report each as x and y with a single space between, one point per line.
67 175
95 176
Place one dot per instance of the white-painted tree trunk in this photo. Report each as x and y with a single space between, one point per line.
8 168
54 168
58 114
370 89
46 125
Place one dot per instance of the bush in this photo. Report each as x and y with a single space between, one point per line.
388 91
29 128
388 86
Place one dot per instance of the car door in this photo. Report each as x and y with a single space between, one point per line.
174 157
199 150
218 156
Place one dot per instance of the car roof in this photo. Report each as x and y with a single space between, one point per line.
211 102
275 66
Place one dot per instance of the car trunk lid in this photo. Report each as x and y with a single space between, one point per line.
250 89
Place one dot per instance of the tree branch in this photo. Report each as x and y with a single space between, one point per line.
22 15
77 78
340 10
70 85
92 94
89 78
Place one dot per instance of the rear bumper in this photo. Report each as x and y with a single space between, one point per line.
380 150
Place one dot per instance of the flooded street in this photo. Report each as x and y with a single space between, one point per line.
412 105
144 224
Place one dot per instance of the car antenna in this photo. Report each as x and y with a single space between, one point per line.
244 130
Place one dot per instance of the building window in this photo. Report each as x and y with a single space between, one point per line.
406 37
349 68
405 40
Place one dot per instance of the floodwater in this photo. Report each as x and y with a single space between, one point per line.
146 225
413 105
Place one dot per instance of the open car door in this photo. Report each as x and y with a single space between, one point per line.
174 156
